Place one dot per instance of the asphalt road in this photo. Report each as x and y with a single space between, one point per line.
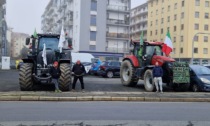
73 111
9 82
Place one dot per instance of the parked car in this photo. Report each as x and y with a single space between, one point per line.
207 65
199 78
95 67
109 69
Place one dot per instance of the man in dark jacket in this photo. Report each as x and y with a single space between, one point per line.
157 74
79 71
55 73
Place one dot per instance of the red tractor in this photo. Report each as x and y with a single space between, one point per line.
131 70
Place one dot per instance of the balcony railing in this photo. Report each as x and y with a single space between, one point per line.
117 50
117 8
118 22
117 35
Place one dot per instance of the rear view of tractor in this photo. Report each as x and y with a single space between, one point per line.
34 71
135 67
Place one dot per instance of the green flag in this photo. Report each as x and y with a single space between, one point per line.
35 34
141 38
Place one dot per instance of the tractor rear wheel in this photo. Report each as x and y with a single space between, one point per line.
25 77
148 81
65 78
127 74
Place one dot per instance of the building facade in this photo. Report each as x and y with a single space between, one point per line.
139 17
183 19
3 29
99 27
17 44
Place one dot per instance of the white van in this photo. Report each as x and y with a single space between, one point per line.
85 59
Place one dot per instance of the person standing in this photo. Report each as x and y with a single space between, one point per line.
55 73
157 74
79 71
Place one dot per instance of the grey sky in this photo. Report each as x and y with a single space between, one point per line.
25 15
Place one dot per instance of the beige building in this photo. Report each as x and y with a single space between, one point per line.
184 19
138 21
17 43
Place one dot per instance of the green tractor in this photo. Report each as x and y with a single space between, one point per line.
34 71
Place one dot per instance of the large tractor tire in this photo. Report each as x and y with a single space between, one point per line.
65 78
149 81
25 77
127 74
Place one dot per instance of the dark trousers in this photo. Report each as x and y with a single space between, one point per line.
75 81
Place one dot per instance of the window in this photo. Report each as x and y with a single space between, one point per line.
195 50
151 14
206 3
196 27
181 50
156 2
156 32
151 33
182 38
162 31
92 47
183 3
197 2
94 5
175 6
174 50
196 38
162 10
206 16
168 18
162 1
205 38
174 28
93 20
162 20
182 15
156 22
175 16
168 29
205 51
169 7
151 23
174 39
196 14
206 27
182 26
92 36
156 12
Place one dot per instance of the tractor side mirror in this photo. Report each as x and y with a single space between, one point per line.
27 41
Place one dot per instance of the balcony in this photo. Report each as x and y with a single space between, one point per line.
144 20
117 36
118 22
118 8
68 23
117 50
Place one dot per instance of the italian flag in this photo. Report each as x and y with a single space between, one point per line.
168 46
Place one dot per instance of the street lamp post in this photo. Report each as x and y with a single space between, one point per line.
193 44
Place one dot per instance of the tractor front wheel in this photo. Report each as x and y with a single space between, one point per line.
148 81
65 78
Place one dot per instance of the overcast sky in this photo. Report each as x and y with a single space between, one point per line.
25 15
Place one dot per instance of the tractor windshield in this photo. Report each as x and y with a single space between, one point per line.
51 43
154 50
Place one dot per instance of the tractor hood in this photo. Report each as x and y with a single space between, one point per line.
161 59
50 57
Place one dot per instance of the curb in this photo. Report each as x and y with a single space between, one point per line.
101 98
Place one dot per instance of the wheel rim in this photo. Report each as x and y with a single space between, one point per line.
195 88
110 74
126 74
149 81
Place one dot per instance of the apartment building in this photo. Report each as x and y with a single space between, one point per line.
139 18
99 27
184 19
17 44
3 29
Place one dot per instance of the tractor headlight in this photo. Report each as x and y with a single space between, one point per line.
204 80
39 65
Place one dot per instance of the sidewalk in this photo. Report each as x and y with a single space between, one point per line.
106 96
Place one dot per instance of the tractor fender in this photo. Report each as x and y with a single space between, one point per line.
65 61
28 61
133 59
